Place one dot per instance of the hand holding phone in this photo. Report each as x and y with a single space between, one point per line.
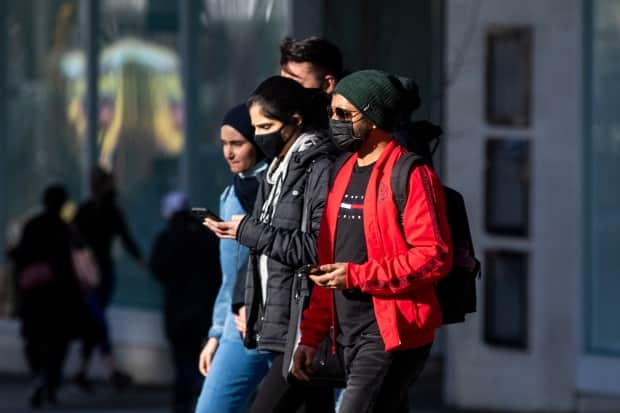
331 275
310 269
222 229
202 213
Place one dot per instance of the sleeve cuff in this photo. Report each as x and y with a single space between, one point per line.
235 308
307 341
349 278
244 234
215 332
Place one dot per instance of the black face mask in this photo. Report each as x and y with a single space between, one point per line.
271 144
343 137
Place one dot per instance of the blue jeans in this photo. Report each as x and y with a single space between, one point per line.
234 375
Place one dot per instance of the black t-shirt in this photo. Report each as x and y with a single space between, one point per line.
354 309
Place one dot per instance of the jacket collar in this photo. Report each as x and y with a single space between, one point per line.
255 170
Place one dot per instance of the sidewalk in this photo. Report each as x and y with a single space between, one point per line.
14 392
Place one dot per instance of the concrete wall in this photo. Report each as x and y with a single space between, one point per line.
543 377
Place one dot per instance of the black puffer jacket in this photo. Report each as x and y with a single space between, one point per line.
287 247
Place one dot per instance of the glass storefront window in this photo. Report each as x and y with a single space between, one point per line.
238 49
42 145
140 130
140 137
603 151
392 35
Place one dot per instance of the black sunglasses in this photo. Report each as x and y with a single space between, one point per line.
340 114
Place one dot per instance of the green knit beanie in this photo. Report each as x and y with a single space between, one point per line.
378 95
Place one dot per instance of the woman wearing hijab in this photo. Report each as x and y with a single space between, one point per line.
231 371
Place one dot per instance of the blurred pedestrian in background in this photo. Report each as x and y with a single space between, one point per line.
51 302
291 129
185 260
231 371
99 221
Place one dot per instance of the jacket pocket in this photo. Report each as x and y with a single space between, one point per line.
406 310
427 308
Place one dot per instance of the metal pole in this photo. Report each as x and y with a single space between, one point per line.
90 26
189 29
3 128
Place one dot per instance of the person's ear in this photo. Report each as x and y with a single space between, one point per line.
329 83
253 155
297 120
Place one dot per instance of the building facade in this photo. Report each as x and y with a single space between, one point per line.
532 141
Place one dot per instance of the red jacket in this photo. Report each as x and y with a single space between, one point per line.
401 270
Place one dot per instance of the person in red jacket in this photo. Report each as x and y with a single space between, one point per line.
374 282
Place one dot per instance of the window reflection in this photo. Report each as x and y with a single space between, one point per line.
603 164
41 145
239 10
140 122
139 103
238 49
140 131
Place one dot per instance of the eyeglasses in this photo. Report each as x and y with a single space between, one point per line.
341 114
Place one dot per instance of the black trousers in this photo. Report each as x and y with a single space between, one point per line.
275 395
48 319
46 356
378 381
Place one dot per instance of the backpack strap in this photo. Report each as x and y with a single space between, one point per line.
400 177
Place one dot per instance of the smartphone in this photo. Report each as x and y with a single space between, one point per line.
202 213
310 269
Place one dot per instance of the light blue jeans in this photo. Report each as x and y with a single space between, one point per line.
234 374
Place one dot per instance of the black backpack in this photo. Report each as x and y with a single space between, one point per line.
456 292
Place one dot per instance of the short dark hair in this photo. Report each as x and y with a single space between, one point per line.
280 98
54 197
320 52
